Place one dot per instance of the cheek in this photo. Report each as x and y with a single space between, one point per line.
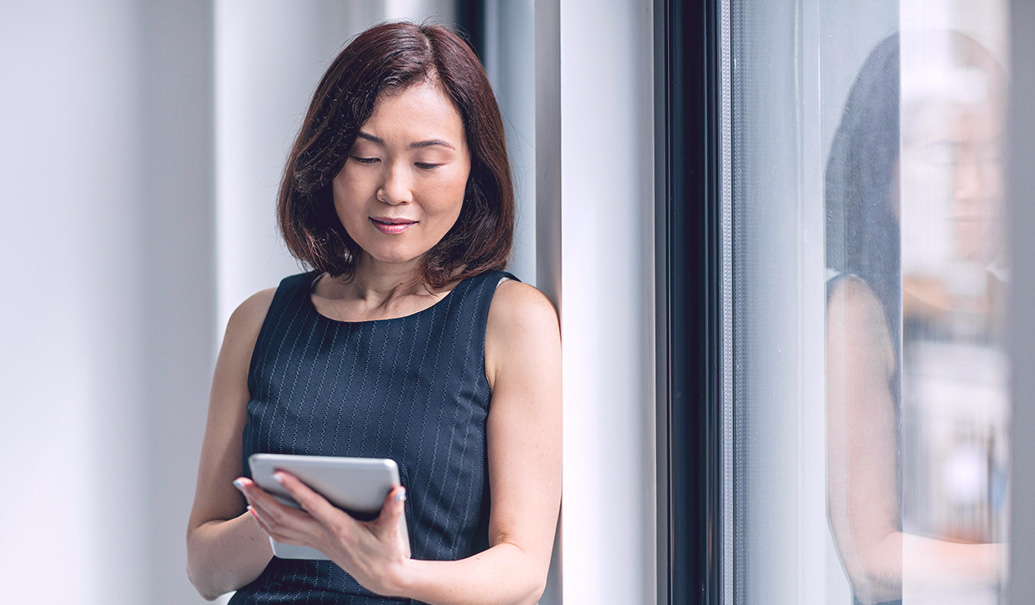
459 188
347 194
448 194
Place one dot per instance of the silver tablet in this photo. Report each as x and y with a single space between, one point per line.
356 485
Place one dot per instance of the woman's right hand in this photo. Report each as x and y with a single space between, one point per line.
375 552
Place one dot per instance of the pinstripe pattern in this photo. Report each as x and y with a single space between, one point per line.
412 389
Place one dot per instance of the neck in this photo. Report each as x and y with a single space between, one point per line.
379 283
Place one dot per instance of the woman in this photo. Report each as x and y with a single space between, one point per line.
869 186
406 341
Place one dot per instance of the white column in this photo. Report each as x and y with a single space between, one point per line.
607 303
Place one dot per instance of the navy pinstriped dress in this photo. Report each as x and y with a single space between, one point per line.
411 388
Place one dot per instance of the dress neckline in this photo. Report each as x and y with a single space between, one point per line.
308 292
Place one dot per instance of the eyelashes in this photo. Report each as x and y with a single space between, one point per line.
374 160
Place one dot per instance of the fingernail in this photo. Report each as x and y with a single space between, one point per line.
239 484
278 478
401 496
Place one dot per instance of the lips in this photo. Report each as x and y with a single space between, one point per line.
391 226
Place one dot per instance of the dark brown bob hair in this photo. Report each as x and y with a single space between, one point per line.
387 58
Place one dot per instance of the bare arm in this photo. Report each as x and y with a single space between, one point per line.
524 456
862 464
226 548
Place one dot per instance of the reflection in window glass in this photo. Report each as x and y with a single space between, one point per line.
954 278
868 239
916 373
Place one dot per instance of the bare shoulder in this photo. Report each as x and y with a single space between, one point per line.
245 322
857 324
519 306
853 301
522 330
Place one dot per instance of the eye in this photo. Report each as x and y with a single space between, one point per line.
365 160
940 153
426 165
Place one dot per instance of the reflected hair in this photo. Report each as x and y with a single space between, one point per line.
862 228
386 59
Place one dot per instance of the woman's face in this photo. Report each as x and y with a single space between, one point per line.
402 185
952 174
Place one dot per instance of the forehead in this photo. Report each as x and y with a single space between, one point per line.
421 110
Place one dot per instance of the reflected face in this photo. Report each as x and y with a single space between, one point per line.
402 186
977 200
951 170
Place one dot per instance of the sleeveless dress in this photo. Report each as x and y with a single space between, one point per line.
412 389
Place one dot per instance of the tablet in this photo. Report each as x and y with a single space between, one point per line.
358 486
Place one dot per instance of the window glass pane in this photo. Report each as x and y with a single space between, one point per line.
869 402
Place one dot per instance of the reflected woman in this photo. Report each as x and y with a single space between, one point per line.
869 188
406 340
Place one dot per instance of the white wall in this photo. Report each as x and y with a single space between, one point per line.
105 255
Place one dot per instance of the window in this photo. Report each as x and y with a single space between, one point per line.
837 398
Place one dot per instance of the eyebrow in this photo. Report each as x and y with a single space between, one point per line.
414 145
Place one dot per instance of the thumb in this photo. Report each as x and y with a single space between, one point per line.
393 508
392 518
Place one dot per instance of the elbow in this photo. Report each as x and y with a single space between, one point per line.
206 591
536 586
205 586
875 573
534 589
199 574
531 582
531 594
537 591
202 584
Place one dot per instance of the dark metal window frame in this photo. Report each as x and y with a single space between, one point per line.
689 295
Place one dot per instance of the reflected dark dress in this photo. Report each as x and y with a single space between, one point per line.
861 194
411 388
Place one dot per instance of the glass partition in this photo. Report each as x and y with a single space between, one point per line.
869 406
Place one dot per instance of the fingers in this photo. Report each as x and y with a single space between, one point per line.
283 523
258 519
323 526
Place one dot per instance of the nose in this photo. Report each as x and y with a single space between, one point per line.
396 187
969 187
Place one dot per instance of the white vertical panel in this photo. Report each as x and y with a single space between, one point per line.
71 515
607 308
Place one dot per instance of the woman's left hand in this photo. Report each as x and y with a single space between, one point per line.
374 552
